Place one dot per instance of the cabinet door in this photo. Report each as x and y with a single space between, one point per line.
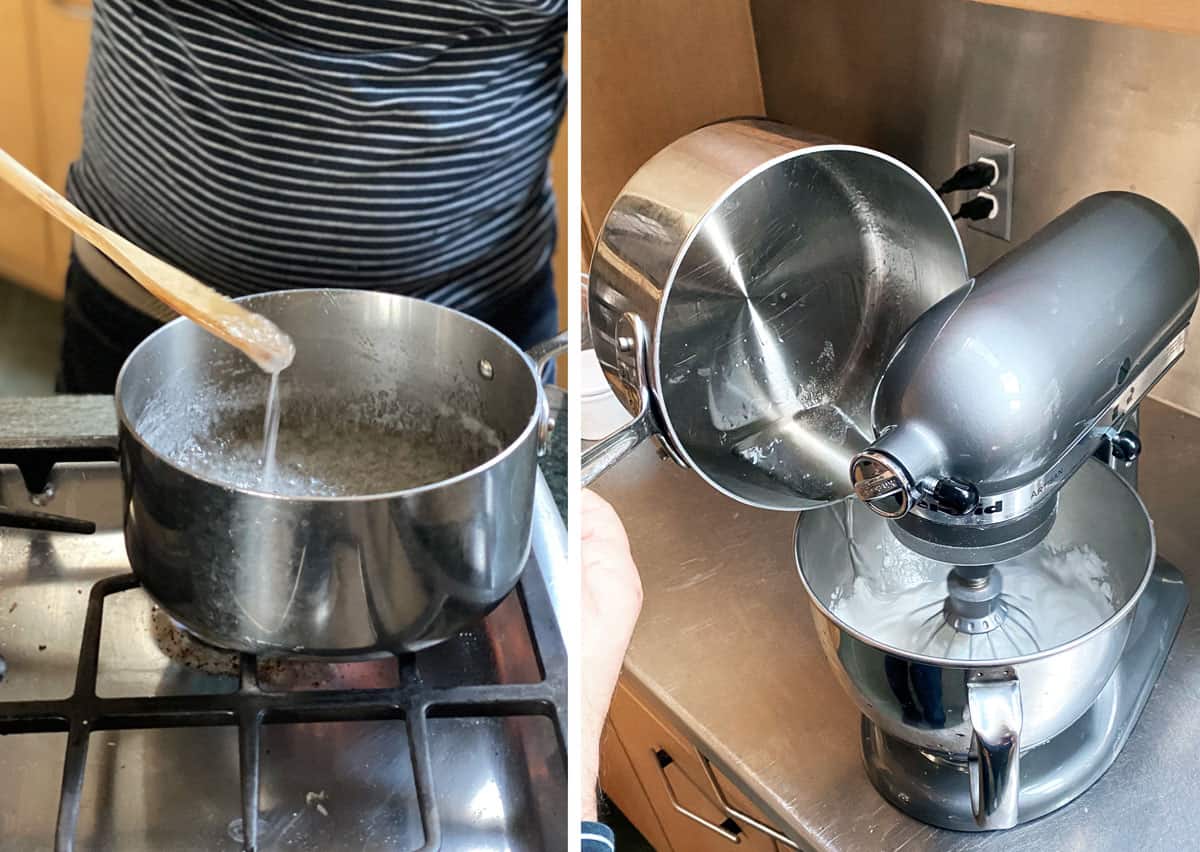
621 784
22 225
673 777
63 33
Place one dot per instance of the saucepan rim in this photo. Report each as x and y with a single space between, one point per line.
511 448
947 663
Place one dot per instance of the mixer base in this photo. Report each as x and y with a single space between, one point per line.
934 788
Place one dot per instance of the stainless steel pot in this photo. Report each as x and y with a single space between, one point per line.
746 289
399 571
985 713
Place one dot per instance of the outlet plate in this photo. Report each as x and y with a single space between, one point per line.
1001 152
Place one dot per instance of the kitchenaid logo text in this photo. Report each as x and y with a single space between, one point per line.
1039 487
992 509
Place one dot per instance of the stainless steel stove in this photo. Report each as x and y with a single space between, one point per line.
126 734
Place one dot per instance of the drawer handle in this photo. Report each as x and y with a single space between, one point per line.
728 829
81 9
736 813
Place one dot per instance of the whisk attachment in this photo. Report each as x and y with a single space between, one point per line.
973 599
977 620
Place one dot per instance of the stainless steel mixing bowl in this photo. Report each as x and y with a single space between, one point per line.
747 288
259 572
986 712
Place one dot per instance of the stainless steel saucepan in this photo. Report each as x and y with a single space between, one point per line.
248 568
746 289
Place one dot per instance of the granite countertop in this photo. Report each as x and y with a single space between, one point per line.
726 646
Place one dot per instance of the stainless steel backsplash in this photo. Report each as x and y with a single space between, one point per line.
1090 106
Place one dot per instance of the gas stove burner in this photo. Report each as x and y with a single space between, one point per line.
299 691
411 743
178 643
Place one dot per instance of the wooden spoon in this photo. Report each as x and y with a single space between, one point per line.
255 335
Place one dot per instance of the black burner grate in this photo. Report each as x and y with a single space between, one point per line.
250 707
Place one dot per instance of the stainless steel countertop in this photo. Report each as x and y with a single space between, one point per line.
726 645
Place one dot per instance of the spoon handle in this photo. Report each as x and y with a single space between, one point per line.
259 338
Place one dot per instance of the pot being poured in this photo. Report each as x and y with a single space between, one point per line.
400 506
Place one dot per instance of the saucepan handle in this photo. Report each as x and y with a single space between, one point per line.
541 354
632 386
585 318
615 446
994 705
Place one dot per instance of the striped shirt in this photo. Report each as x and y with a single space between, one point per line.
596 837
397 145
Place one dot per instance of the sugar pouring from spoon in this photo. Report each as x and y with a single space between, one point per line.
253 334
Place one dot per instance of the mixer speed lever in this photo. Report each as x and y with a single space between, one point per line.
955 497
1126 446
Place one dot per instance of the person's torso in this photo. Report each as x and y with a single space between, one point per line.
263 144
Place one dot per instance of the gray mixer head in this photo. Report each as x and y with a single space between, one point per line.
997 394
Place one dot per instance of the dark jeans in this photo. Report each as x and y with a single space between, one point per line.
100 330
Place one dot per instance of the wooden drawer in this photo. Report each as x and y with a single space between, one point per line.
736 804
675 781
620 783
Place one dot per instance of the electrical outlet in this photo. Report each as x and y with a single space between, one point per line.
1000 152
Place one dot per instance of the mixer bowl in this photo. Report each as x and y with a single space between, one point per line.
985 712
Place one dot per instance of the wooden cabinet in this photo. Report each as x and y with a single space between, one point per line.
563 283
677 800
63 35
651 72
23 231
620 782
43 59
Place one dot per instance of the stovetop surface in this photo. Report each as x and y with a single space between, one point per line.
498 781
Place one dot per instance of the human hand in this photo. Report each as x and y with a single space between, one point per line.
609 607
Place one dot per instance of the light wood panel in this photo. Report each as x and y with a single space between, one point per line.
1174 15
651 72
562 284
620 783
23 236
643 734
62 36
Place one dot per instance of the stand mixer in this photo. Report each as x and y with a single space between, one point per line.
991 599
787 317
